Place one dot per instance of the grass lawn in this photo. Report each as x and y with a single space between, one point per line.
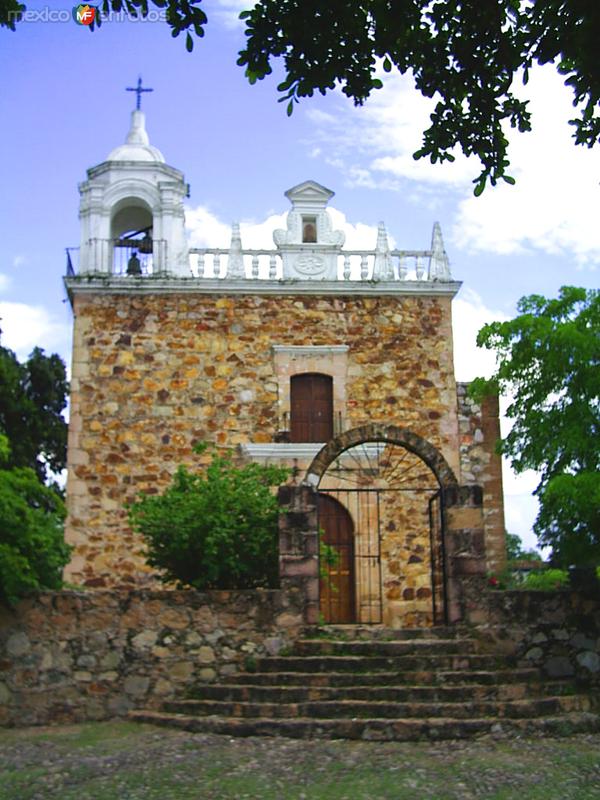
126 761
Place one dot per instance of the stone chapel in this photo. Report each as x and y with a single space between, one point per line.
336 362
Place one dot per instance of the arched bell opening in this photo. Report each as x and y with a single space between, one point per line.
131 230
394 498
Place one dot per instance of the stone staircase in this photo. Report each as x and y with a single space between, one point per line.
378 684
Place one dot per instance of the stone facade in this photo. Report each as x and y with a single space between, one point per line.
153 374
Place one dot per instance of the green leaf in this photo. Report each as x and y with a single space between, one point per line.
189 42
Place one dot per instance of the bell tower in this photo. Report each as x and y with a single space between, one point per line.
131 210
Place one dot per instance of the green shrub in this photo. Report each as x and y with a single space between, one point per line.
546 580
214 530
32 548
543 580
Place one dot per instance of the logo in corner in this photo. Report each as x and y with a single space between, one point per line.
84 14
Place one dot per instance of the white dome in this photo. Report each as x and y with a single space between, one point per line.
137 146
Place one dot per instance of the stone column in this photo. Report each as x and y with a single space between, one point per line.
493 494
299 548
465 551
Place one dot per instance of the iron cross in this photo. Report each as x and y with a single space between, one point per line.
139 90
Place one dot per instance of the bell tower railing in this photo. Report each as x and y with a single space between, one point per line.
112 256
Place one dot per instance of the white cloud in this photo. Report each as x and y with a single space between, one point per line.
205 229
520 506
4 282
553 207
469 315
259 235
383 135
25 327
227 11
520 511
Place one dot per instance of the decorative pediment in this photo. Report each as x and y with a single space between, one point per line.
309 193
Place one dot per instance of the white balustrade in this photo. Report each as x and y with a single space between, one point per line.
112 257
272 266
346 268
420 270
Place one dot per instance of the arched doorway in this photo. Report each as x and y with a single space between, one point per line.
337 580
391 484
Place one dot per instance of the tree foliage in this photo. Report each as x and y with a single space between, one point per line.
11 12
32 549
216 529
467 54
516 552
464 53
32 399
548 362
181 15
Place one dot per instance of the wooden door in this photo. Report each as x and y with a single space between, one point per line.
311 407
336 588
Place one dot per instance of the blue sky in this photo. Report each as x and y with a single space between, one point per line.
63 107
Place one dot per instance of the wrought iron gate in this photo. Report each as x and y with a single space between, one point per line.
371 486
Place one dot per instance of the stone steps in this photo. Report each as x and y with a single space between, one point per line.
333 709
370 664
460 693
395 685
388 678
346 633
375 729
411 647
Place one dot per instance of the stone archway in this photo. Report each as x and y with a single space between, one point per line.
378 432
460 510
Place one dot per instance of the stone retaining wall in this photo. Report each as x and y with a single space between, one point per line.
556 631
73 656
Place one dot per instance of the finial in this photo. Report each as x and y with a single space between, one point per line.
235 265
439 265
139 90
382 241
383 269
